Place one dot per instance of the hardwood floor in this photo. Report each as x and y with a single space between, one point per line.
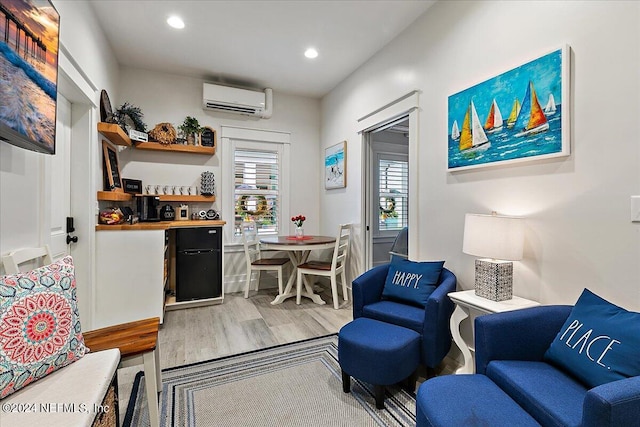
236 326
239 325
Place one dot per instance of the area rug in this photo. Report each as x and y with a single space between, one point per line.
295 384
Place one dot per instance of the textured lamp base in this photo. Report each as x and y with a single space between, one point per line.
494 279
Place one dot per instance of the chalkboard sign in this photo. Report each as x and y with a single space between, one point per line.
133 186
208 138
112 181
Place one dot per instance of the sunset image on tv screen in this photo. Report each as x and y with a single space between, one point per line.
29 31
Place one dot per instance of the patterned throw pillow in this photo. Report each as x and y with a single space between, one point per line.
39 324
411 282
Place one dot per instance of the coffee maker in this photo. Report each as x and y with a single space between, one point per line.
148 208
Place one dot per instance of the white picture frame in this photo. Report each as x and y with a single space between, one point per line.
538 81
335 166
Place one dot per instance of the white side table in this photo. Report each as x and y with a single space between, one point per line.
467 303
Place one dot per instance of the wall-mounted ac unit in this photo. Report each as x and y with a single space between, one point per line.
235 100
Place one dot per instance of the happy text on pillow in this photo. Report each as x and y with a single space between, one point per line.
401 278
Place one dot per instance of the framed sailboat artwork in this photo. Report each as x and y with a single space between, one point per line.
519 115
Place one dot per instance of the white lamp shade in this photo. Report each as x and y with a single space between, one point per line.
493 236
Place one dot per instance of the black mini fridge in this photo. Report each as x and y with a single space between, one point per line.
198 263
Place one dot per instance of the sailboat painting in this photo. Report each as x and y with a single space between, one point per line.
536 97
494 119
455 131
550 108
531 118
472 137
515 110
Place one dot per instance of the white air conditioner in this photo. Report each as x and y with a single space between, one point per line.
235 100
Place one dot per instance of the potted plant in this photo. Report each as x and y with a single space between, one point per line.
129 117
190 128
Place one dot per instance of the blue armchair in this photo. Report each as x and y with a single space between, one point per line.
431 322
524 389
509 350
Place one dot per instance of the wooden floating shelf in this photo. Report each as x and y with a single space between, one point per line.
112 196
114 133
183 198
196 149
161 225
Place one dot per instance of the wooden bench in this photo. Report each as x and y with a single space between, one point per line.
138 343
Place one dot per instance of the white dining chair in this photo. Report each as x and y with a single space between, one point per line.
13 260
255 262
331 268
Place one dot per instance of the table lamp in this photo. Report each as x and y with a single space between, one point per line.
499 240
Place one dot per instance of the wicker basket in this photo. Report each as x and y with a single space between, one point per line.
107 415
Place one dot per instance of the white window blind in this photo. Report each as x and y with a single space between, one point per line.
394 194
257 189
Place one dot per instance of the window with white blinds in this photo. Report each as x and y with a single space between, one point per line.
256 188
394 194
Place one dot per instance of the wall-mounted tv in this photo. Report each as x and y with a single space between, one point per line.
29 33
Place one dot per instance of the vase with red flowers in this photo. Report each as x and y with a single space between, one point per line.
298 221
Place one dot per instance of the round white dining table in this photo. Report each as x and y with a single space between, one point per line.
298 249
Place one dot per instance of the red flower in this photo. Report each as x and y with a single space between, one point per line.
298 220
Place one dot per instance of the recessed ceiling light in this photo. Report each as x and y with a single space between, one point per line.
175 22
311 53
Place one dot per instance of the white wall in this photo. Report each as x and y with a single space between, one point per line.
22 172
579 232
82 37
24 206
20 201
170 98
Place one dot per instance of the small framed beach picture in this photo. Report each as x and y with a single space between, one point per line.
335 166
519 115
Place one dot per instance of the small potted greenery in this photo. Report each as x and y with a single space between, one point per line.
190 129
130 117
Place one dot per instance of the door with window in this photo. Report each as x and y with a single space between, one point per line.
390 192
391 196
390 157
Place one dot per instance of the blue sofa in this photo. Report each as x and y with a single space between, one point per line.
431 321
510 368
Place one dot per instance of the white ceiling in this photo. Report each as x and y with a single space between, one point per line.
255 43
